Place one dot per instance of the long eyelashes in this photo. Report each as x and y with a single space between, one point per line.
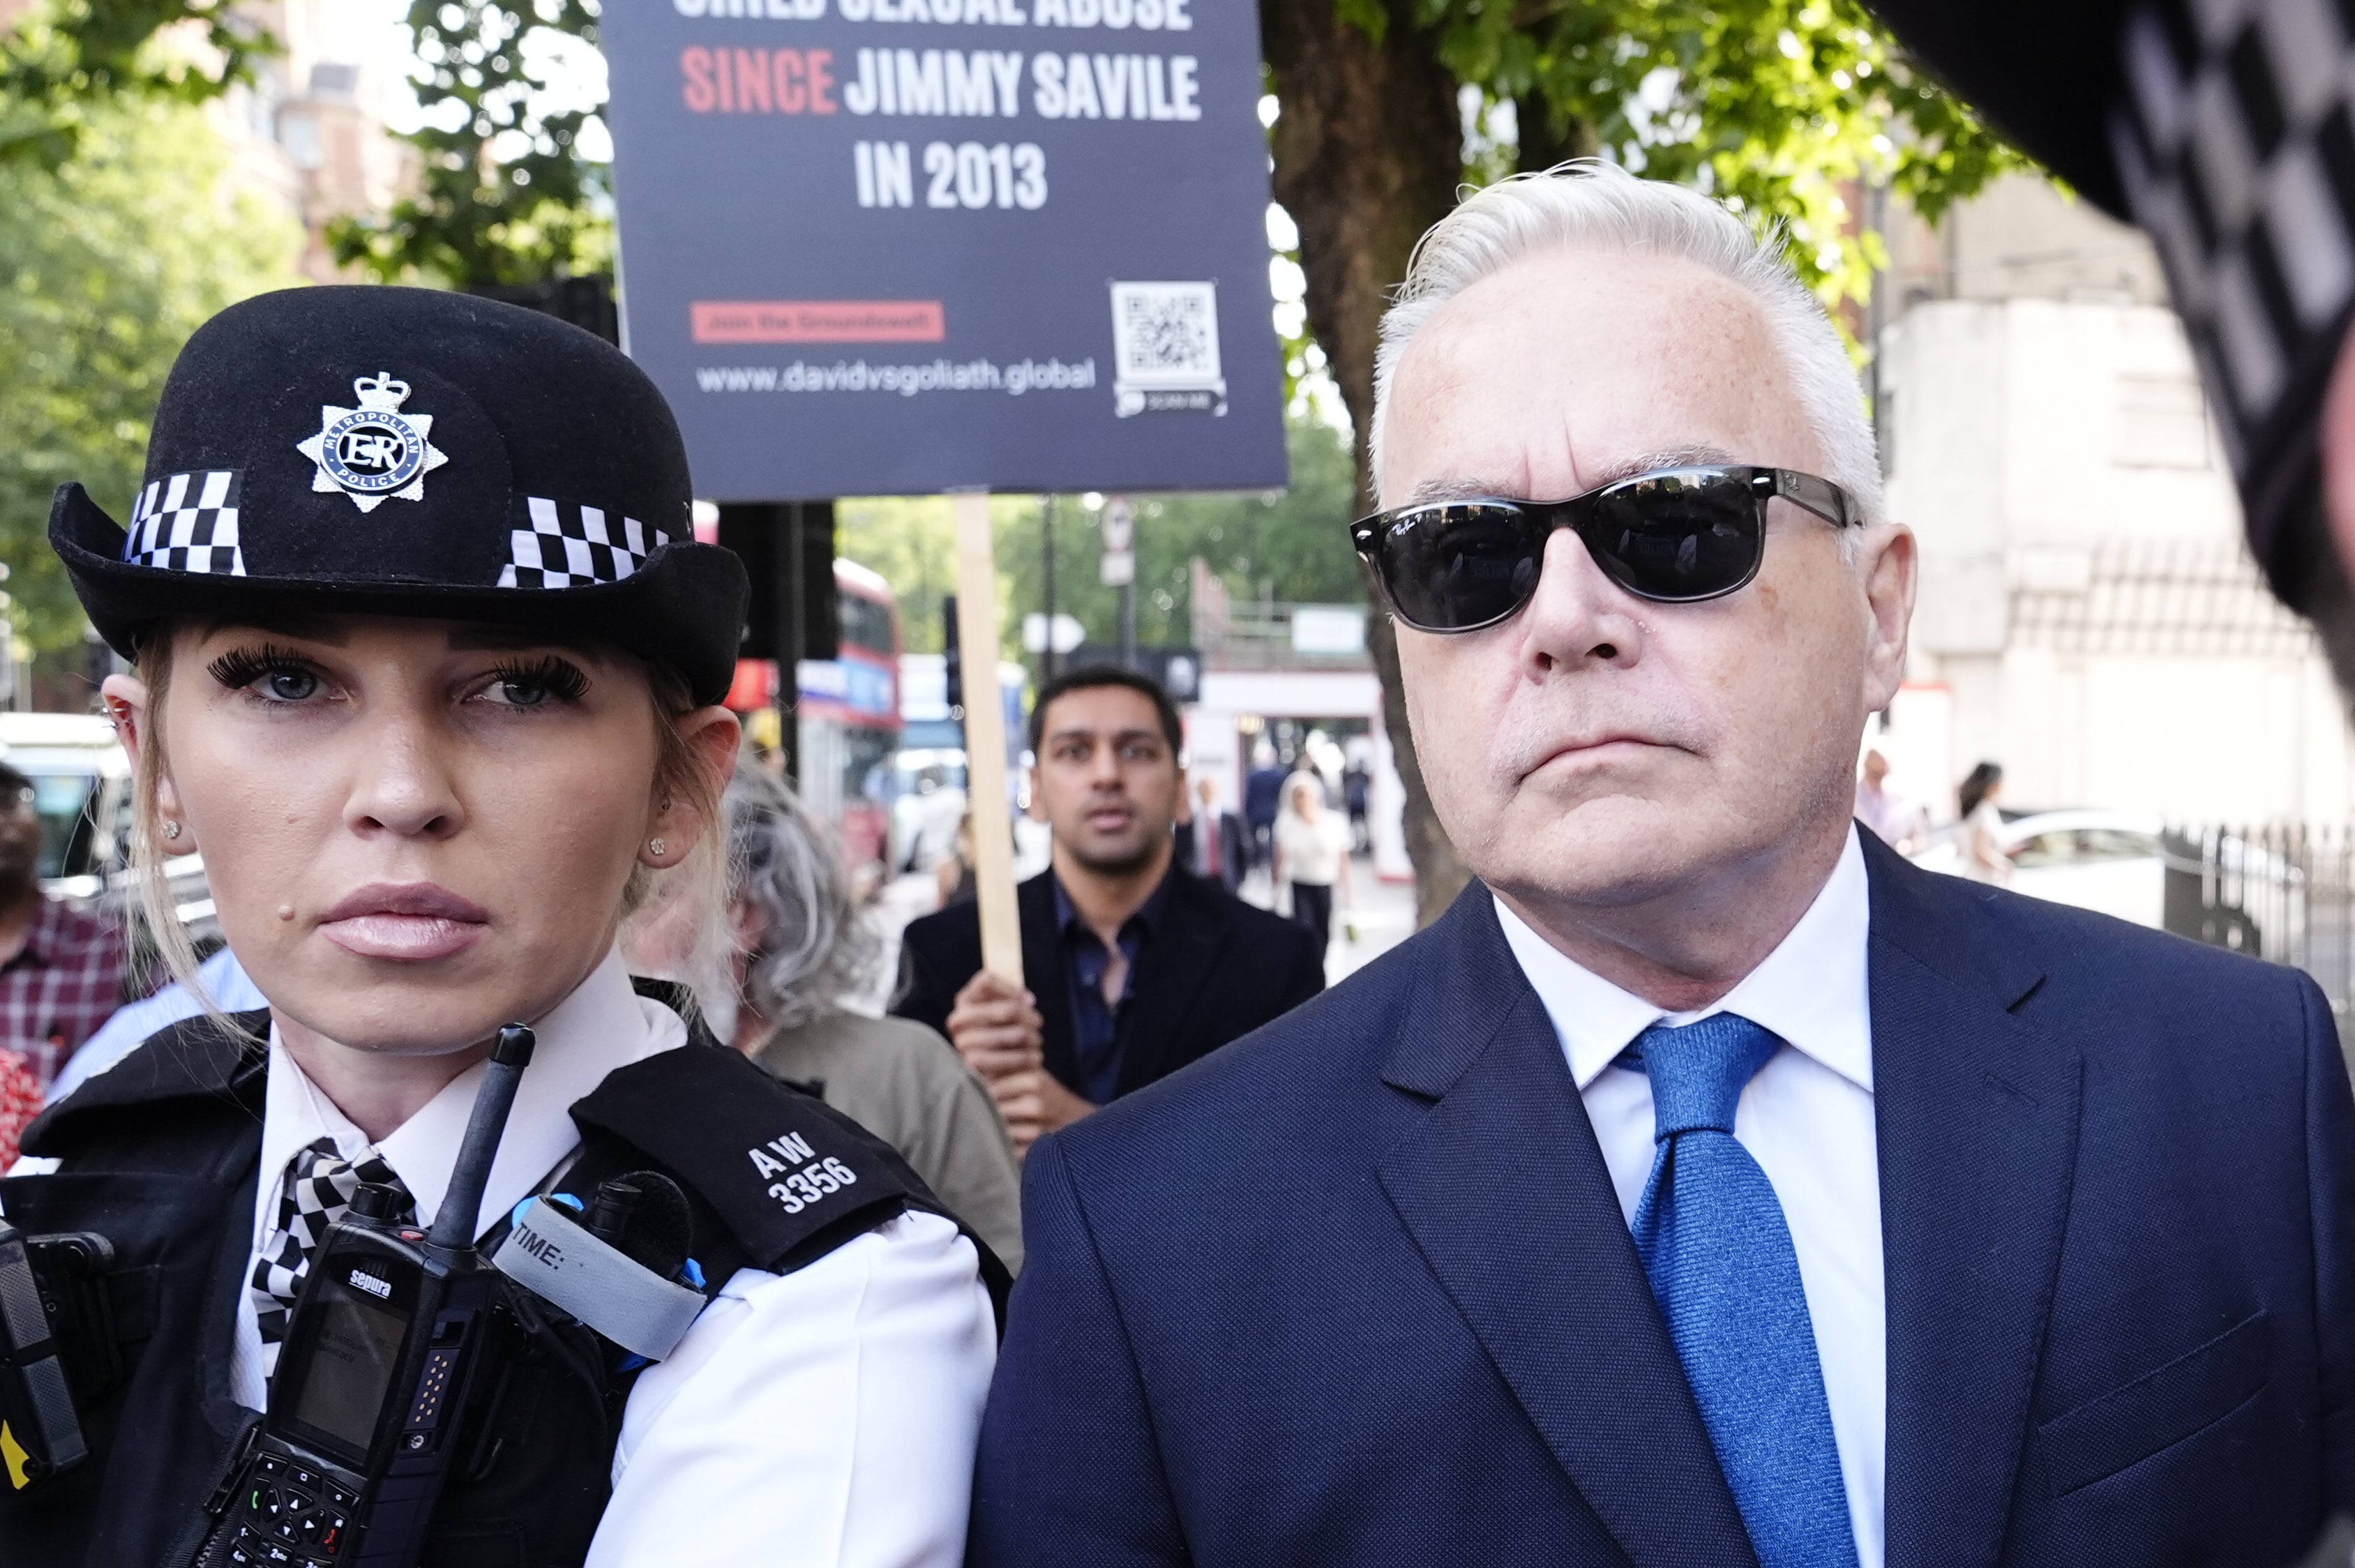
241 667
525 681
549 675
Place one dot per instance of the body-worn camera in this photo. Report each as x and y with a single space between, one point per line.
58 1336
379 1368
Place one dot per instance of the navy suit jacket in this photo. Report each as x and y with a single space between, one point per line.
1356 1290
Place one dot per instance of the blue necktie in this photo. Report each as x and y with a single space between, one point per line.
1718 1250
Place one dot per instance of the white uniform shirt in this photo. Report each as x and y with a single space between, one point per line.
1807 1118
825 1418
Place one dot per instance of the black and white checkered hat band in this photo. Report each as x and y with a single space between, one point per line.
571 545
2237 152
187 522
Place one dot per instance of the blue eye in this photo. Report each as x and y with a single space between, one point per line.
538 684
270 673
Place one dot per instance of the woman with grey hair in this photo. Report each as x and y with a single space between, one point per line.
802 953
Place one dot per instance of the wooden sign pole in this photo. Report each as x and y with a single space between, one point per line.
987 796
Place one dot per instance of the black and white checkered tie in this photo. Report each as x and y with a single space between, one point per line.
318 1189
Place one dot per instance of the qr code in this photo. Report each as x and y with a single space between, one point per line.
1169 327
1166 347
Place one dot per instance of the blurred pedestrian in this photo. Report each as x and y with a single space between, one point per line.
1979 834
1263 798
1357 794
62 970
1312 855
1221 847
802 952
1894 820
1708 1181
953 875
1134 966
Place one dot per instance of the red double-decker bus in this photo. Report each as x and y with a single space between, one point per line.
850 714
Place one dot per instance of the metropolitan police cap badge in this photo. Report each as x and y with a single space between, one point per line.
374 450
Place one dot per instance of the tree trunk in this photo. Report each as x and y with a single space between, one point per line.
1369 148
1542 144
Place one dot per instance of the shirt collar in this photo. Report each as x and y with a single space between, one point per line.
603 1025
1148 915
1811 990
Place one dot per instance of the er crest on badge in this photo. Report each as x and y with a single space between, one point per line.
374 450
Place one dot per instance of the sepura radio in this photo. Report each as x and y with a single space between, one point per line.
384 1355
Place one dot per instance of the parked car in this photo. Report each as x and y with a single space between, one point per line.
82 791
2129 865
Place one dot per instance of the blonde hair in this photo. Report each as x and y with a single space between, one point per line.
681 770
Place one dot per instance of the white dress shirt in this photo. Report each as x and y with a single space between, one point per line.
825 1418
1807 1118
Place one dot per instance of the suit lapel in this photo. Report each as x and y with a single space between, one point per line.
1171 975
1503 1188
1043 973
1977 1114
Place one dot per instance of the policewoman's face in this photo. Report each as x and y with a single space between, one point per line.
414 831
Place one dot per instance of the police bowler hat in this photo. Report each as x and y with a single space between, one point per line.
407 451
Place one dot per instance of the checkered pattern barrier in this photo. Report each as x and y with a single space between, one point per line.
571 545
187 522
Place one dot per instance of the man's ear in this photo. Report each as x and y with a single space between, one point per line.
1891 568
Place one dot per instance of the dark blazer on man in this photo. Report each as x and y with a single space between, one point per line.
1358 1291
1216 970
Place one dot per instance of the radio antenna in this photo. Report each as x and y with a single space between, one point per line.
462 1204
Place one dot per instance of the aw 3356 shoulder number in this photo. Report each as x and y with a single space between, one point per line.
803 1188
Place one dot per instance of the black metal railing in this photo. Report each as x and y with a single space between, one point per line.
2285 894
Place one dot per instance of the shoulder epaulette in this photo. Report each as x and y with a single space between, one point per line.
790 1177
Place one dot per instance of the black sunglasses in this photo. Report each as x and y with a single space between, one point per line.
1674 535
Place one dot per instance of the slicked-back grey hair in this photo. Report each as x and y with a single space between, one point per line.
1589 205
813 950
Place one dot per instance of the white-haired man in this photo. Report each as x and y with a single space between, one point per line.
1710 1186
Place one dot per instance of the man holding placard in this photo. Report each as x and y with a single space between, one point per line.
1136 966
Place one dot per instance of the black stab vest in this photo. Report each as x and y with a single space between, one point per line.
159 1155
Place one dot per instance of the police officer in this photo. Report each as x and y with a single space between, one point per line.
429 666
2224 131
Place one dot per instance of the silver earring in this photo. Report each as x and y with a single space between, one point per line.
172 831
657 846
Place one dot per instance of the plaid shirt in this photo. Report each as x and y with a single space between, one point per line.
67 980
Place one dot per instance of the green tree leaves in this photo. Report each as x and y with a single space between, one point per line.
107 264
64 58
509 194
1783 106
1291 546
